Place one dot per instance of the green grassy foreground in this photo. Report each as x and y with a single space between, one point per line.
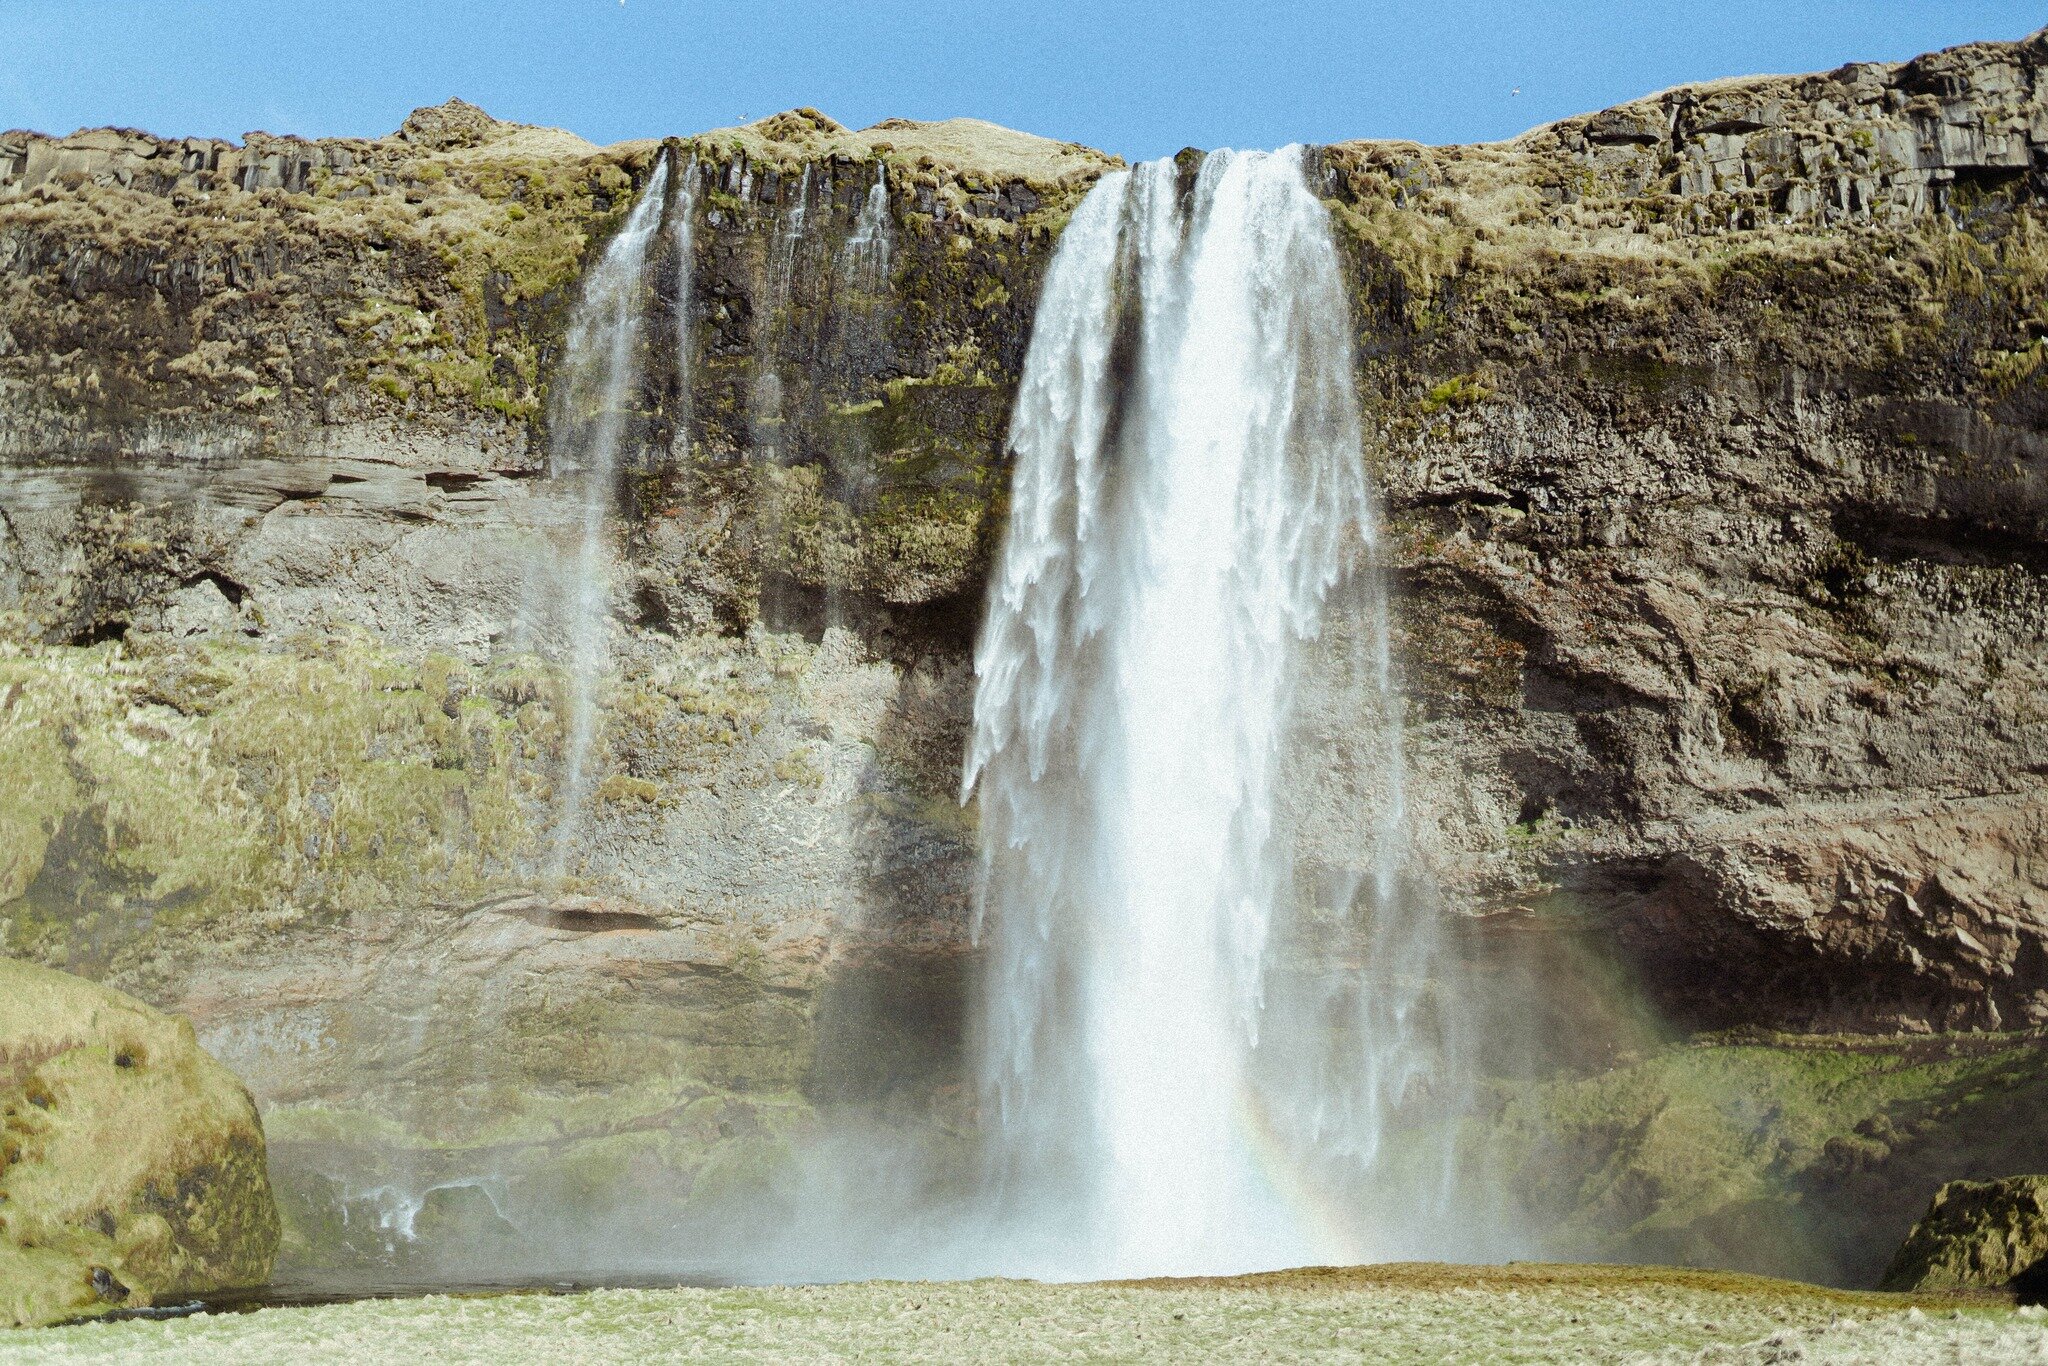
1400 1313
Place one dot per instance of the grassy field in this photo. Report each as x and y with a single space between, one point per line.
1403 1313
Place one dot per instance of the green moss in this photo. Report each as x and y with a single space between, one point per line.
155 794
2005 371
622 789
528 251
800 768
961 365
1976 1234
1783 1155
133 1163
1459 391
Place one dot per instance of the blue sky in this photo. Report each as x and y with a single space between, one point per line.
1139 78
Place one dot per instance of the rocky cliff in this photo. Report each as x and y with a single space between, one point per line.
1714 425
1711 432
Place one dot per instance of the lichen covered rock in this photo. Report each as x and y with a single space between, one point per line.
1758 1152
1976 1233
132 1167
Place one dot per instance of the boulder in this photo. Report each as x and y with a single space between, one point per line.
132 1168
1976 1233
456 123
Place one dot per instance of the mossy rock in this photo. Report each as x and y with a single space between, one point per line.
132 1168
1786 1155
1976 1233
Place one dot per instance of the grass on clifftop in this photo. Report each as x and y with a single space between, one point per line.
967 149
1416 1313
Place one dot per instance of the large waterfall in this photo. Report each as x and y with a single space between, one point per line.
1191 548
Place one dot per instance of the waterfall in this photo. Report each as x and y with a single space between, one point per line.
782 270
683 234
1191 548
866 259
601 368
778 341
773 322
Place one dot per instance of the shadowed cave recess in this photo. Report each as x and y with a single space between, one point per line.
571 666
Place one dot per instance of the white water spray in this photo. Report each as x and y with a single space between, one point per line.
1190 510
600 369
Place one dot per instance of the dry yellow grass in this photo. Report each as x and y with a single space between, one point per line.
1412 1313
968 148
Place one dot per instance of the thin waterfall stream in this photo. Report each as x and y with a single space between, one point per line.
866 253
601 368
683 315
1190 512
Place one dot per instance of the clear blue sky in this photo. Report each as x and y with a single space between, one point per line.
1140 77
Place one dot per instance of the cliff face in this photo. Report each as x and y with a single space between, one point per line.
1714 426
1711 431
279 428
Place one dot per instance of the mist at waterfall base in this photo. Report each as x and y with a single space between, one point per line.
1190 514
1219 1022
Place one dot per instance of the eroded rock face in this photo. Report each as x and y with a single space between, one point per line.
1711 432
1976 1234
1720 517
132 1163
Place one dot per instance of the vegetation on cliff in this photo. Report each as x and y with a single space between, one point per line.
209 793
1783 1155
1983 1234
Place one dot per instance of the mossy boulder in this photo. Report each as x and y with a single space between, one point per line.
132 1167
1976 1233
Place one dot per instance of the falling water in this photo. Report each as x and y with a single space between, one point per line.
866 259
600 371
1190 513
773 323
683 234
782 270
